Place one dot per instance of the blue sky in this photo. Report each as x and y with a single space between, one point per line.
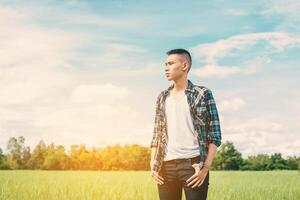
89 71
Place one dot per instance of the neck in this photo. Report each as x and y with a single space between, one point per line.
180 84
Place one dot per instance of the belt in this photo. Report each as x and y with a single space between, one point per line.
180 160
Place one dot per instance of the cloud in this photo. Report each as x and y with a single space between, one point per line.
236 12
88 19
117 47
211 53
263 134
287 11
44 95
35 60
233 104
215 70
290 7
97 93
134 70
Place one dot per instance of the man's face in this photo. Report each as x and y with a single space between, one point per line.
175 66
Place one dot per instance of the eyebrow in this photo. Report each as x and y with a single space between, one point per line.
169 62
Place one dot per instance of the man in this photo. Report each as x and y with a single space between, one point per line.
186 133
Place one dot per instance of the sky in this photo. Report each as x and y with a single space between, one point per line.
89 72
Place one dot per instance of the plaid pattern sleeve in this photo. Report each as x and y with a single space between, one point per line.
213 122
154 141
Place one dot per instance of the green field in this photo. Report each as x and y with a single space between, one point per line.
130 185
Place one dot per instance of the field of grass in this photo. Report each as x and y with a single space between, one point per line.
131 185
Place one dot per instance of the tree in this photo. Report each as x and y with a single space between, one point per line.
82 158
2 156
15 148
26 155
38 156
3 161
56 158
278 162
128 157
217 162
258 162
292 162
228 157
74 157
135 157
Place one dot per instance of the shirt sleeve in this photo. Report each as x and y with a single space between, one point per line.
157 125
213 122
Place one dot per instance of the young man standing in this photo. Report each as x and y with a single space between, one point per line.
186 133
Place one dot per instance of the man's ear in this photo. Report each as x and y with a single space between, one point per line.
186 66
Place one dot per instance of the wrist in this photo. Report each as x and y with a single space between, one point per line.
206 166
152 163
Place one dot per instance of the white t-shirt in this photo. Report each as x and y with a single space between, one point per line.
182 138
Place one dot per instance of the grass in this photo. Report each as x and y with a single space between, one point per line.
131 185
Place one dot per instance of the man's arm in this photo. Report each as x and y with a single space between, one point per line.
153 165
213 122
214 129
213 139
156 133
154 143
212 149
156 177
153 150
156 129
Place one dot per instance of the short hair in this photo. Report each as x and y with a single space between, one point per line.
182 52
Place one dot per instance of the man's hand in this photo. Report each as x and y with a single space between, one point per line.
157 178
198 178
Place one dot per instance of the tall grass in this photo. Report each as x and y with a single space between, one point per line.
131 185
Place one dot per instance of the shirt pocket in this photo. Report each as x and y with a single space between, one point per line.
201 113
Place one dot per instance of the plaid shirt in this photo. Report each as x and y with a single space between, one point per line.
205 119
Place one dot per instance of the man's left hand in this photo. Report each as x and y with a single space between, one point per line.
198 178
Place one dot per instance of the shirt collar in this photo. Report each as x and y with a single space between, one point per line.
189 88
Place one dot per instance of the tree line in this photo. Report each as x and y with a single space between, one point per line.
127 157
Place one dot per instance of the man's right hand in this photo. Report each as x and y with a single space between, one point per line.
157 178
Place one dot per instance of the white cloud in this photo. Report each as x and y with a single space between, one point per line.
43 96
97 93
262 134
287 11
255 65
88 19
76 14
211 53
121 48
290 7
129 71
233 104
23 43
236 12
34 60
215 70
